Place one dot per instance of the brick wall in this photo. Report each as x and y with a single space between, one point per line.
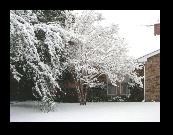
152 78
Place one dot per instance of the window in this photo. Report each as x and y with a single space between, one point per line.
111 88
124 86
124 89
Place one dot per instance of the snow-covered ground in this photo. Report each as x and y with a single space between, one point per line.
92 112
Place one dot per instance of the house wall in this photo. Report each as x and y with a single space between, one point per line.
152 78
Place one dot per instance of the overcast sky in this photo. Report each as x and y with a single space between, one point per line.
141 39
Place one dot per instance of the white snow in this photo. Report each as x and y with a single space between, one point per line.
92 112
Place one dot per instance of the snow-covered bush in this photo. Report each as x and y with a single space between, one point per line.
136 92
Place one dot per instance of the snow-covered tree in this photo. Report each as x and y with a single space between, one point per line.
58 16
101 51
37 51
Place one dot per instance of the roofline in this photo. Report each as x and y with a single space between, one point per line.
147 54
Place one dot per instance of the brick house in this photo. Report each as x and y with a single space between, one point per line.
151 63
151 90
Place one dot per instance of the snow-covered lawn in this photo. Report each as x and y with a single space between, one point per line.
92 112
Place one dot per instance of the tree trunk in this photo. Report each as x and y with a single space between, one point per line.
83 92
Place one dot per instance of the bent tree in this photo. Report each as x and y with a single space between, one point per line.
37 50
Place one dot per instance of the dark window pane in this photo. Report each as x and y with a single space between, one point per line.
111 89
124 88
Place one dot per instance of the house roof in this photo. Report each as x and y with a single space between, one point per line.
144 58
